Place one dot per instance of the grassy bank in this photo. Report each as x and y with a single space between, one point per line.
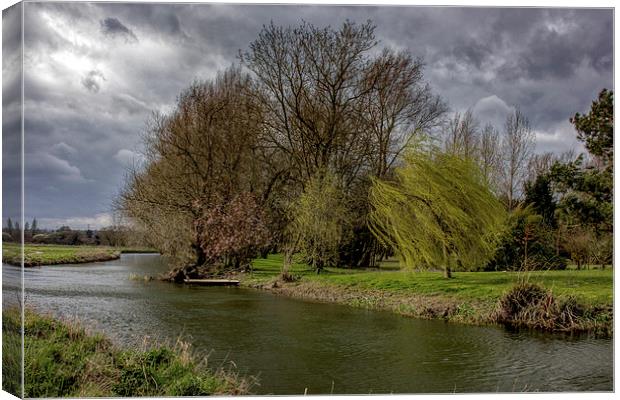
63 360
50 254
470 297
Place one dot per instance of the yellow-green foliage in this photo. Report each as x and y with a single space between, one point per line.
438 212
318 218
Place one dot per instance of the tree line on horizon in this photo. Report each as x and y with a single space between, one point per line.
320 145
113 235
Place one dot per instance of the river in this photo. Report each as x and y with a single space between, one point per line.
293 346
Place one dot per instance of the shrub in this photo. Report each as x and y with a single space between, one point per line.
232 232
65 237
516 305
41 238
533 306
527 243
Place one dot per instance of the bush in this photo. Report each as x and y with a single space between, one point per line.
527 243
6 237
232 233
64 237
533 306
516 305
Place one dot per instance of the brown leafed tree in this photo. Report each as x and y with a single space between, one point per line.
202 153
232 231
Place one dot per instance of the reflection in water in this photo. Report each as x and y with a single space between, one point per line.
292 345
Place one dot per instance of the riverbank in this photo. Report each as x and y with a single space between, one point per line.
470 297
50 254
64 360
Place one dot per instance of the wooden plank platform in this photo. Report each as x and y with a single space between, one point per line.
212 282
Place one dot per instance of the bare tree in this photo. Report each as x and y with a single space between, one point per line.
517 147
540 164
462 135
489 155
310 81
333 105
397 106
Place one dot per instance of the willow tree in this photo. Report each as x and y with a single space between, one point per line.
318 218
438 212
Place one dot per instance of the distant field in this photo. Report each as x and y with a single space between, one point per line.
593 286
49 254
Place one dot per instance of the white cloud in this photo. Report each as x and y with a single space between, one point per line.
43 164
95 222
492 109
63 150
559 139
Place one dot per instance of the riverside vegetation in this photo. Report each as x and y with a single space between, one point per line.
566 301
42 254
329 155
333 151
535 299
62 359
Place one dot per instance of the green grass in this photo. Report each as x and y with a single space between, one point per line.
591 287
50 254
63 360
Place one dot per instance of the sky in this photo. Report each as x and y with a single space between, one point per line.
94 73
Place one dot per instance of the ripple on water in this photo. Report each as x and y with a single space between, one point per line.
295 345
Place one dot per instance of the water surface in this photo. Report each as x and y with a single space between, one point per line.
293 345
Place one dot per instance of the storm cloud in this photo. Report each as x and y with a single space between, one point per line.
94 73
114 27
92 81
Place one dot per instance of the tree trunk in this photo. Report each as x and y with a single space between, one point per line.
201 257
447 273
525 257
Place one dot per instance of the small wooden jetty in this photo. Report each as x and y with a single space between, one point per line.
212 282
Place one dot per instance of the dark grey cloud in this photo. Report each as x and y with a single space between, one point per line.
112 26
162 20
92 80
88 95
11 112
